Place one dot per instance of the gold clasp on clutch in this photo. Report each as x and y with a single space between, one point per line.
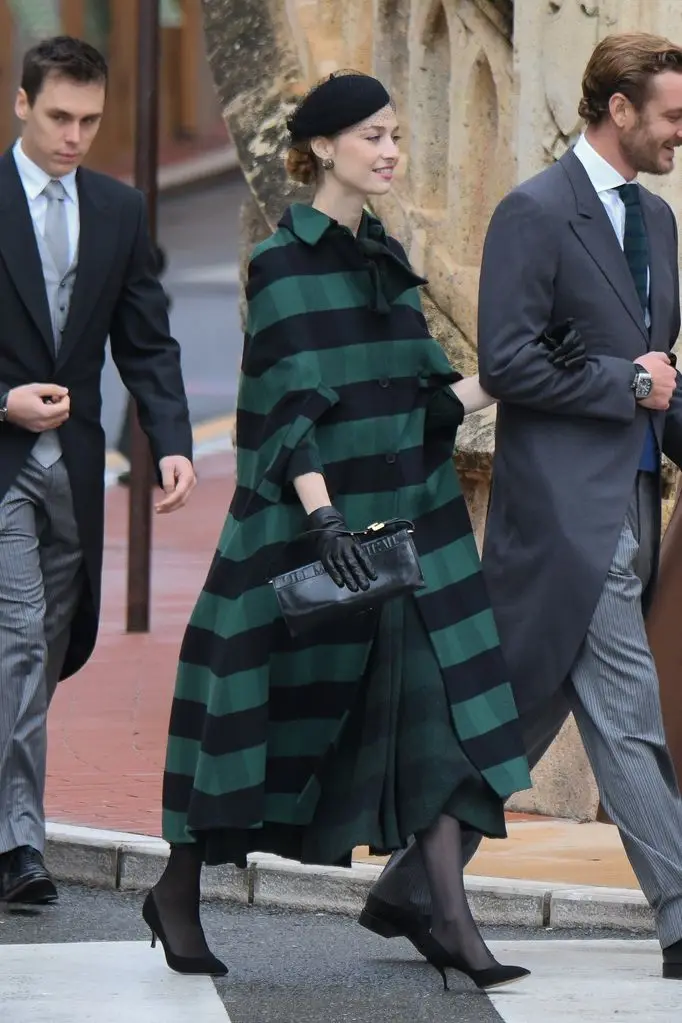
376 526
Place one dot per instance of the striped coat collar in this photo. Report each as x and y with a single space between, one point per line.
310 225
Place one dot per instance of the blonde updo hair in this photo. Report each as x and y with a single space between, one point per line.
302 165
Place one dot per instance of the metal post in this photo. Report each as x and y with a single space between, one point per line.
146 167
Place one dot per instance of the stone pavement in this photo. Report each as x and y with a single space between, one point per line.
108 724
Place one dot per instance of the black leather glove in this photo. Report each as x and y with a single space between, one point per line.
565 346
444 410
342 556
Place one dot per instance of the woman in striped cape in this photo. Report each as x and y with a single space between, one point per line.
388 725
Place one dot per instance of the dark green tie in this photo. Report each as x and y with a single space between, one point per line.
635 242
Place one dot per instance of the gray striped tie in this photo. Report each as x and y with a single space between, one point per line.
56 226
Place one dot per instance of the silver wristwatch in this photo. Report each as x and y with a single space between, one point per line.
641 382
3 407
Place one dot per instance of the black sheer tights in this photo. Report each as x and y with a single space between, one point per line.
452 924
177 895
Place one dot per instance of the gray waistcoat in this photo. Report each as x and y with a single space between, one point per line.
47 448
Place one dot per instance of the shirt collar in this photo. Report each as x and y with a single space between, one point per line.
34 178
603 176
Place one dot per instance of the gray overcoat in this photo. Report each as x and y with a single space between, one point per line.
568 444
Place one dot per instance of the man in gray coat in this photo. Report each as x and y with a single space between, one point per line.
572 538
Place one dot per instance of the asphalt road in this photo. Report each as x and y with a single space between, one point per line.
284 967
199 230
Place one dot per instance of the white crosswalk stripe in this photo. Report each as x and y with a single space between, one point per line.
100 982
579 981
587 982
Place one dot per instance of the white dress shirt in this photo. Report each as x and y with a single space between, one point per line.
605 180
34 180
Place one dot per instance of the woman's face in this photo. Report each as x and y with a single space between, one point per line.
365 156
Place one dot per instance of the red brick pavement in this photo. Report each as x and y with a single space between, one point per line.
107 725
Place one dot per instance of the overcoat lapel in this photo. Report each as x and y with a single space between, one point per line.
96 250
595 231
19 250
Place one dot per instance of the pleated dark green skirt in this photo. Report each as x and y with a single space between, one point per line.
398 764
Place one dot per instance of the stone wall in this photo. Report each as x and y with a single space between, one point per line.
487 94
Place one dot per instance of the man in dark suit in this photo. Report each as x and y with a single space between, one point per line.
572 538
76 267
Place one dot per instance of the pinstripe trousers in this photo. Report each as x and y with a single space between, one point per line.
614 695
40 586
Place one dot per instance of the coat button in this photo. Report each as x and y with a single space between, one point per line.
390 459
384 382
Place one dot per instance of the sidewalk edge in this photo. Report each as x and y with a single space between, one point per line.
128 862
194 169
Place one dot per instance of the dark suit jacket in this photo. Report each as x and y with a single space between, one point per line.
115 295
568 444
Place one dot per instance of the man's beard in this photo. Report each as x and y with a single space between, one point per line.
642 152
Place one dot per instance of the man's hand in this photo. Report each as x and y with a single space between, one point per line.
178 479
38 407
663 377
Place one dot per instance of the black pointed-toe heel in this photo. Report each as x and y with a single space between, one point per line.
394 922
207 964
672 961
492 976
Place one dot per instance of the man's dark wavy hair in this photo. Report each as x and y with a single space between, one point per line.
627 64
65 57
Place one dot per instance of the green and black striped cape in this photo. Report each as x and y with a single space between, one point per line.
330 384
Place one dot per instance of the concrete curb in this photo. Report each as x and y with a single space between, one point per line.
195 169
120 861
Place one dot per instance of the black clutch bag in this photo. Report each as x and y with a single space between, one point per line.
308 597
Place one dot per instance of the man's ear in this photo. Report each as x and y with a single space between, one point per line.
620 108
21 105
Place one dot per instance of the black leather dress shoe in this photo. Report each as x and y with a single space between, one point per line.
394 922
672 961
23 878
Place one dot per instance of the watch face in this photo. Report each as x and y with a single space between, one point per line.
643 386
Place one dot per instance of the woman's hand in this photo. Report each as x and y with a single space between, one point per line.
341 555
565 346
471 394
565 349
